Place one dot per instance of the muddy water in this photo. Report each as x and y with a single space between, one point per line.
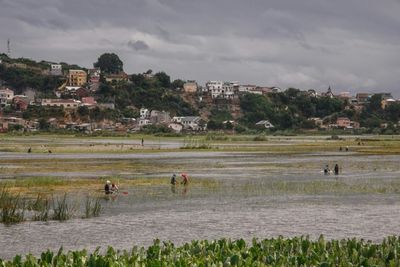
240 206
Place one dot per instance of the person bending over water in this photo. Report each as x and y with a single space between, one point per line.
336 169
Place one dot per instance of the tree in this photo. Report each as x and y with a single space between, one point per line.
109 63
163 79
44 125
177 84
375 104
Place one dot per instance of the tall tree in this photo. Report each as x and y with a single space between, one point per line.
109 63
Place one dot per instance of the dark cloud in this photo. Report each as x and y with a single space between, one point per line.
350 44
138 45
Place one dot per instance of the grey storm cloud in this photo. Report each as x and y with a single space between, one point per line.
352 45
138 45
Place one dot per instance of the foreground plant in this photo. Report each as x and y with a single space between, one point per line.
12 208
298 251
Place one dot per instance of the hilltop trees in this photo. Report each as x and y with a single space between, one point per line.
109 63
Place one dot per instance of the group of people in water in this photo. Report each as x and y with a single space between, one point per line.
185 179
110 188
335 169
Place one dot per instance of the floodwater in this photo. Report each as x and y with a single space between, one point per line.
241 205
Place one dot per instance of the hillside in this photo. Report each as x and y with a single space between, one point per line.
291 109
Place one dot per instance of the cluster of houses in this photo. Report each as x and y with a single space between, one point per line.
232 90
176 123
79 85
147 117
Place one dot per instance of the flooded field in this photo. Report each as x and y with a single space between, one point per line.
239 193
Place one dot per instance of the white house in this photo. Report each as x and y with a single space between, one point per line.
144 113
6 96
215 87
191 122
228 89
56 69
188 123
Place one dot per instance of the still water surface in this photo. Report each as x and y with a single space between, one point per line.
240 206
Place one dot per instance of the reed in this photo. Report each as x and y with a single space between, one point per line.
92 207
12 208
41 206
62 210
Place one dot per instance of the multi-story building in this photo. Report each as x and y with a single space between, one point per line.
77 77
56 69
221 89
215 87
6 96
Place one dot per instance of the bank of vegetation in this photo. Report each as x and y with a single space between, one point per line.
297 251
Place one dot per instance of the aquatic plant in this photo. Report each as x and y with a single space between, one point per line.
41 206
297 251
62 210
12 208
92 207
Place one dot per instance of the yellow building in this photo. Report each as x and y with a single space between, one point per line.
77 77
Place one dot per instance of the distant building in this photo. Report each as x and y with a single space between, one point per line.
94 75
65 103
122 76
144 113
328 93
247 88
215 87
190 87
363 98
6 96
56 69
188 123
88 101
346 123
77 78
159 117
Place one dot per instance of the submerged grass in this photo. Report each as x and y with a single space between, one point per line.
316 187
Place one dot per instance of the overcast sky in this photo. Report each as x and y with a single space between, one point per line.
351 45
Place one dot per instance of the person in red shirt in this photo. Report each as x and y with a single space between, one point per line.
185 180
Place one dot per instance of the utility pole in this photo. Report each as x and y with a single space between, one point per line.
8 48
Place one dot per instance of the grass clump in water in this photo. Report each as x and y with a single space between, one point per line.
12 208
41 206
62 210
92 207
